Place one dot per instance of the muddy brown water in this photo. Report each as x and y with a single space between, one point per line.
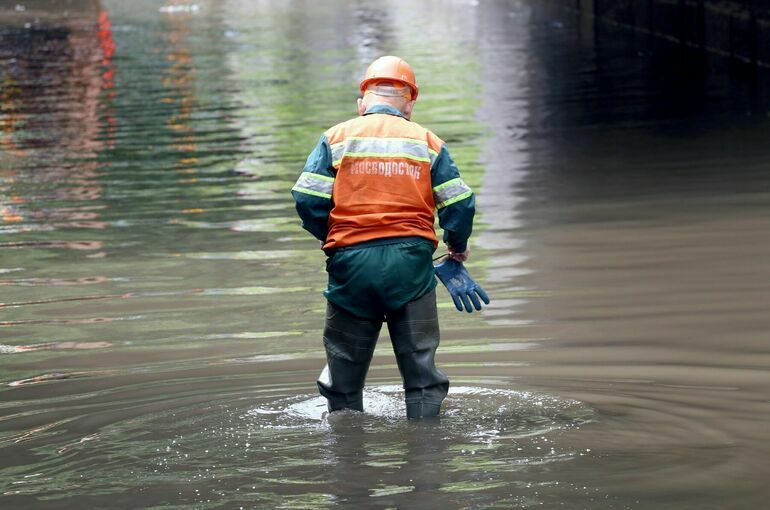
161 313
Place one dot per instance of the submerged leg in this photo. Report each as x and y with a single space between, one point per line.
349 343
414 332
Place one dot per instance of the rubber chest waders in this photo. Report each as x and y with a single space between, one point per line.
350 342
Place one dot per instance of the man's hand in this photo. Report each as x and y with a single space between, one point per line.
459 256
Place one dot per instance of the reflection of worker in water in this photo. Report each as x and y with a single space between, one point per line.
368 192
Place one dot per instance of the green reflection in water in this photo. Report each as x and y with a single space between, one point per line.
207 292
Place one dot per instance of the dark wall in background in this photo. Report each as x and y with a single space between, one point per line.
738 28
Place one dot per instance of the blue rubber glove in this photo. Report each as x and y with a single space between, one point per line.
460 285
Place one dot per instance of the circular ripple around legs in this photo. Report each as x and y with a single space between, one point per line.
517 413
289 451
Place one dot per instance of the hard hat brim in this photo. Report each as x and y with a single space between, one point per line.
365 85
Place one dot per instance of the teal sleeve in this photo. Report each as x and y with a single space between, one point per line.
313 190
455 202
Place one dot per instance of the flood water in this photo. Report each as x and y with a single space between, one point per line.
161 308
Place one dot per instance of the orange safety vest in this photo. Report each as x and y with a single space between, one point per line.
382 186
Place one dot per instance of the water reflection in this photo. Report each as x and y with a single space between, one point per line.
161 307
288 450
53 118
507 66
373 34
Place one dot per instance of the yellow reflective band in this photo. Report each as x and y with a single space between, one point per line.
380 155
314 184
455 199
451 191
378 147
448 183
311 192
318 176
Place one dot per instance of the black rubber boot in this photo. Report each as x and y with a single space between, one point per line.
349 343
414 332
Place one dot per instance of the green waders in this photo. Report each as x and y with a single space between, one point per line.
393 283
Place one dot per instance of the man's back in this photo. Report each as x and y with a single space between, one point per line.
383 185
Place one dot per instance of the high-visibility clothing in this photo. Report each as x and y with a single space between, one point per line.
368 191
383 186
381 176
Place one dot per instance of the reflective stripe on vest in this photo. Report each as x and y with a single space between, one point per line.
451 191
314 184
373 147
382 184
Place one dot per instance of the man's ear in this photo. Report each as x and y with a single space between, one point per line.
361 106
408 107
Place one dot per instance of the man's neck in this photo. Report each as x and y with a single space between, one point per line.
383 108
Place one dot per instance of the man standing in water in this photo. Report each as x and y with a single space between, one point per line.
368 193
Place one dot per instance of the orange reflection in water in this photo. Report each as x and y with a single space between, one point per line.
180 81
57 57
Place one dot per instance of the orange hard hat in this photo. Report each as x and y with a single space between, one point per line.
390 68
